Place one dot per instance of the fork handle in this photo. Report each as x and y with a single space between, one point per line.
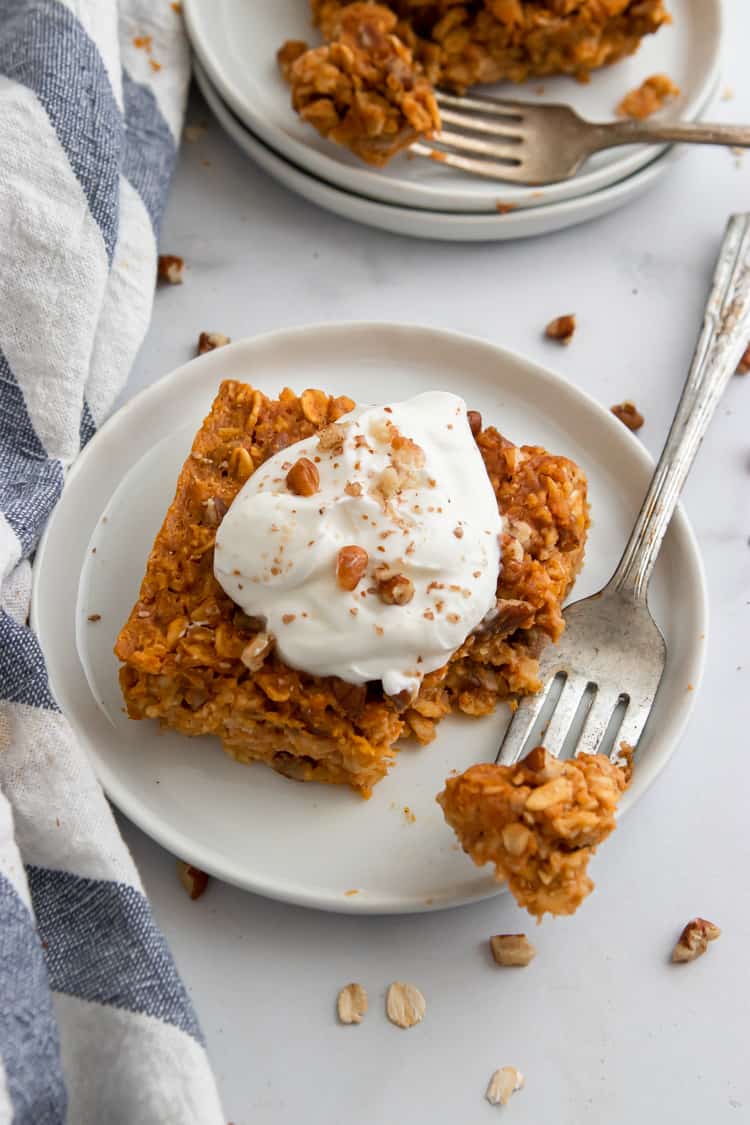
638 132
721 344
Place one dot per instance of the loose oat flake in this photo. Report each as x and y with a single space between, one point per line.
503 1084
405 1005
352 1003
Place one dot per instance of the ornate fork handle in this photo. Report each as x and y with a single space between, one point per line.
635 132
723 339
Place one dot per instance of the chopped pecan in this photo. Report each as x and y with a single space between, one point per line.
694 939
192 878
209 341
512 949
562 328
396 590
303 479
351 564
629 415
474 418
170 268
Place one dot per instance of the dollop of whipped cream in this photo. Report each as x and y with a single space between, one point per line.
406 485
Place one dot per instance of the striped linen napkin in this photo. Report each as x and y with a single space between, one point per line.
96 1027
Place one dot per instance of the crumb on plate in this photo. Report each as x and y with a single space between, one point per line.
651 96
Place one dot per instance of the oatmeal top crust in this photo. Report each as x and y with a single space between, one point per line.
483 41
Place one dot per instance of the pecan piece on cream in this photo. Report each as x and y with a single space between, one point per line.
351 564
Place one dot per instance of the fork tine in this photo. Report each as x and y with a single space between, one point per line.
521 725
496 107
565 712
508 172
597 720
635 720
461 143
481 124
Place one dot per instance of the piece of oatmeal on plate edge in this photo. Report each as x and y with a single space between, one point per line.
198 663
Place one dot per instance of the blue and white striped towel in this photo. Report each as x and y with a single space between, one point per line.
95 1025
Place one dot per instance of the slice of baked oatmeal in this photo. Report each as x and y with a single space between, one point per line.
199 664
370 88
483 41
538 821
362 89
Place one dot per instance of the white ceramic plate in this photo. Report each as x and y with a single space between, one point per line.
236 42
449 226
312 844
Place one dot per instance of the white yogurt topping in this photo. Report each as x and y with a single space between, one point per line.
436 524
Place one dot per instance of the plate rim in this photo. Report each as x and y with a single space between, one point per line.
445 225
174 840
367 182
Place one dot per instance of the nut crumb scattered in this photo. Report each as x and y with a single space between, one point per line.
651 96
209 341
170 268
505 208
142 42
512 949
396 590
629 415
352 1003
405 1005
744 364
192 878
503 1085
562 328
155 66
176 6
353 891
409 815
193 133
694 939
303 479
351 564
94 617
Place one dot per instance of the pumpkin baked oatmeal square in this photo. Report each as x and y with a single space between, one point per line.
195 661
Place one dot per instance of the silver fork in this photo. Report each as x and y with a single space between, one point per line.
535 145
610 660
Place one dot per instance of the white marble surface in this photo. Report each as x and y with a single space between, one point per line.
604 1028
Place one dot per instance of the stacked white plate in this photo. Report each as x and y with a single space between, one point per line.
235 43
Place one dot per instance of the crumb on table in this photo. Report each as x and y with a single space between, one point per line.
562 328
192 878
744 364
651 96
170 268
210 341
629 415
